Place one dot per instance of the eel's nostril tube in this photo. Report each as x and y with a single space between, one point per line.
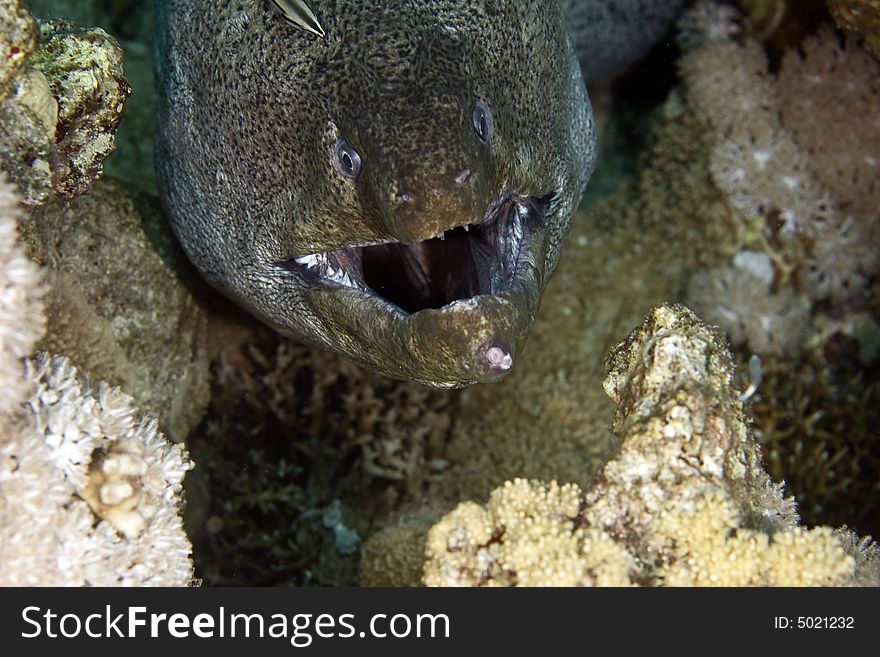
462 176
497 358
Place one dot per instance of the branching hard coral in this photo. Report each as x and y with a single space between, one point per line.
710 547
817 425
684 501
529 534
290 431
60 104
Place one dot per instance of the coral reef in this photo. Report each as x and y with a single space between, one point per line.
90 493
301 454
528 535
818 85
818 228
298 450
121 292
22 321
818 429
62 95
57 477
861 17
132 23
768 322
683 502
84 70
670 228
18 38
799 177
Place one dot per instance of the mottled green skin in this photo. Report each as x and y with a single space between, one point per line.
250 110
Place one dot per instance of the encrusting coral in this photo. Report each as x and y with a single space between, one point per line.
90 492
85 74
120 291
684 501
132 22
62 96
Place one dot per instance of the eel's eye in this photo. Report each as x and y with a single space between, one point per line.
348 160
483 122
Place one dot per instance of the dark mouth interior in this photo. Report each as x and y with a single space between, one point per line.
433 273
466 262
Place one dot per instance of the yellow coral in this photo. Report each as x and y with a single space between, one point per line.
710 547
533 534
529 534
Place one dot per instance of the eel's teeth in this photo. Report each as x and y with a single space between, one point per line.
442 236
521 215
467 227
312 260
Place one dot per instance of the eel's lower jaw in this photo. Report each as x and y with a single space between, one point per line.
451 310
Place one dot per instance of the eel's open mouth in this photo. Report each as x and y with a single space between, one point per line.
460 263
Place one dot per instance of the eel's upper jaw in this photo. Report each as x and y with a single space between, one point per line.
449 311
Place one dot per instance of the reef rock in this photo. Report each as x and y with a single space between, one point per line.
684 501
62 95
861 17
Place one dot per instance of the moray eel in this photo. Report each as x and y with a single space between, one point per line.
392 180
